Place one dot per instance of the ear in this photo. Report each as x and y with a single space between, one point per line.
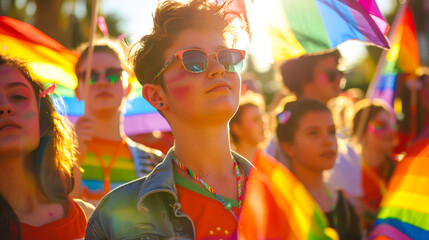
155 96
235 128
288 149
78 92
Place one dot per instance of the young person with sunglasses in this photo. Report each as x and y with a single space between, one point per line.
190 75
107 157
37 153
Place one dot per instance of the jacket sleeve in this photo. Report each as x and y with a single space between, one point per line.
93 231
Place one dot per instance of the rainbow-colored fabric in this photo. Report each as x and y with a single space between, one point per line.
310 26
404 212
403 57
278 206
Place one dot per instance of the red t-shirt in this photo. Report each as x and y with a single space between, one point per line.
71 227
211 219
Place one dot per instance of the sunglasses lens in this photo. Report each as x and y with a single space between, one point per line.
93 78
231 59
113 75
195 61
333 74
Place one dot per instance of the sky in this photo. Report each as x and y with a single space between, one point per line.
136 20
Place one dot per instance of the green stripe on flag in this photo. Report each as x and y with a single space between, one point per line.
307 24
418 219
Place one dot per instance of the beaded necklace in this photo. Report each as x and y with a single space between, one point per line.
228 205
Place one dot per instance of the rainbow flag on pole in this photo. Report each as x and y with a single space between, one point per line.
297 27
404 212
52 62
403 57
278 206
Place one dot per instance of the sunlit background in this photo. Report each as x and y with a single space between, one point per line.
68 22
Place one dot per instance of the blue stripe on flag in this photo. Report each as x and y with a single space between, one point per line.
339 21
412 231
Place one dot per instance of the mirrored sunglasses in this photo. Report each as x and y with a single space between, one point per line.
197 60
332 74
113 75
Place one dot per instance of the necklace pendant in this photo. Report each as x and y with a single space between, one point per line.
228 206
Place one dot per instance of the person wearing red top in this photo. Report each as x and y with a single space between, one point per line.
36 161
189 73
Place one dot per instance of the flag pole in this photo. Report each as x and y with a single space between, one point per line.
380 65
90 53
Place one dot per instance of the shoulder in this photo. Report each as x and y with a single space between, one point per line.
115 210
87 208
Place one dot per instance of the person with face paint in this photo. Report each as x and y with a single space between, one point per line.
107 157
307 136
189 73
376 139
37 153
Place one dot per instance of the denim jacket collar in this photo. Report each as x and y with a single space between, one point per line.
161 179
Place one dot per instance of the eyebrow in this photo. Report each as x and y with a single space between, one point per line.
17 84
317 127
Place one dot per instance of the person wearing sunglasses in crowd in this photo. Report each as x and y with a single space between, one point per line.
190 75
374 132
37 153
107 157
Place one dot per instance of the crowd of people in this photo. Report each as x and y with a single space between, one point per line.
90 180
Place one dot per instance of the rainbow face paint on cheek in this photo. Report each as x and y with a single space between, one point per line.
323 79
378 128
177 88
29 115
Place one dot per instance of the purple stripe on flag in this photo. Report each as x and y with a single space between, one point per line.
145 123
371 7
366 24
139 124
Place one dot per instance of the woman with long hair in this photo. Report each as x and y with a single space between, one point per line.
36 161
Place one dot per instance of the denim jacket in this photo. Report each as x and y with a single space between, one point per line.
144 158
146 208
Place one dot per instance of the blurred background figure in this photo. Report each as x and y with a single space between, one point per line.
375 138
107 157
37 153
307 136
248 126
413 122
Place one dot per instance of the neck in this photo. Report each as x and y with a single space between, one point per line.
18 186
312 180
246 149
372 157
109 127
206 151
312 95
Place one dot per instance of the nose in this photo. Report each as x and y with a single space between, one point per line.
215 68
6 110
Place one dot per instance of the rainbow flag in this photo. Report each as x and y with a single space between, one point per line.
48 59
404 212
309 26
403 57
52 62
278 206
